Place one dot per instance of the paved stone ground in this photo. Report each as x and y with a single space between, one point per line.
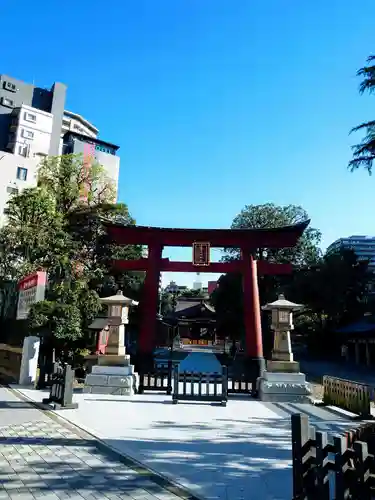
42 459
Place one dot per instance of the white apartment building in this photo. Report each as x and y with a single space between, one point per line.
363 247
34 124
72 122
29 132
16 173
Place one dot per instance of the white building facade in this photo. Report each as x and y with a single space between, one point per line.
16 174
30 132
363 247
34 124
73 122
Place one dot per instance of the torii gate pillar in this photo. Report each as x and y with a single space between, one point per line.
149 303
255 363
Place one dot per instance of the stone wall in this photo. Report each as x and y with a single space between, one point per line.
10 363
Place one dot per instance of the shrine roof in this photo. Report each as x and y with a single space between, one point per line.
276 237
182 306
365 326
192 309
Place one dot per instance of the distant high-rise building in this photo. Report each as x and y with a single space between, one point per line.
34 124
198 285
363 247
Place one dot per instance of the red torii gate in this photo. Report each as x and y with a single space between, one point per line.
247 240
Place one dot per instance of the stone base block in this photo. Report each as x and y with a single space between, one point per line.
283 366
114 360
113 370
283 387
108 380
293 378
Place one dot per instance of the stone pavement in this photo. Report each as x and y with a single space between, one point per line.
42 459
242 451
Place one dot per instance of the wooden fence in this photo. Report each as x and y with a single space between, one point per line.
157 380
349 395
341 469
10 363
191 386
61 391
240 384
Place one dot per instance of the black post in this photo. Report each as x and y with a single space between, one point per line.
169 378
225 384
300 436
175 384
141 379
61 392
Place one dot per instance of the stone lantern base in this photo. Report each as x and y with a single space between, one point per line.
113 375
283 382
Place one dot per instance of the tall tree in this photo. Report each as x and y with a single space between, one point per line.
334 294
364 152
58 226
228 297
269 215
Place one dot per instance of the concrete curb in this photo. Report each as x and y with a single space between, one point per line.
162 481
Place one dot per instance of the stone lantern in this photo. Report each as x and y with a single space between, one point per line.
282 323
282 380
114 374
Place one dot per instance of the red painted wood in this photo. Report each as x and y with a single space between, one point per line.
264 267
246 239
237 238
149 303
252 319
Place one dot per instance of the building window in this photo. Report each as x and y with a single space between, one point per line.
23 151
28 134
12 190
10 86
21 173
30 117
9 103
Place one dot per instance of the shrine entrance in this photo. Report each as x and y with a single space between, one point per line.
201 240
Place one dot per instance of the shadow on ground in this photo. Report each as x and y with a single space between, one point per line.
226 458
230 466
17 405
63 466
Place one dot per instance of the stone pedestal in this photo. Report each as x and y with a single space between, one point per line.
115 380
282 381
275 365
277 387
282 347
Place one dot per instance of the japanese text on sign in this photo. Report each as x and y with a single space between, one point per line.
201 254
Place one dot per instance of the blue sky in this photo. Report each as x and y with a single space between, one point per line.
215 103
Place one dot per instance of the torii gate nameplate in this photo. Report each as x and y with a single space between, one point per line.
201 254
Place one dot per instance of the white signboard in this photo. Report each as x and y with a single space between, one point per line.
31 289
